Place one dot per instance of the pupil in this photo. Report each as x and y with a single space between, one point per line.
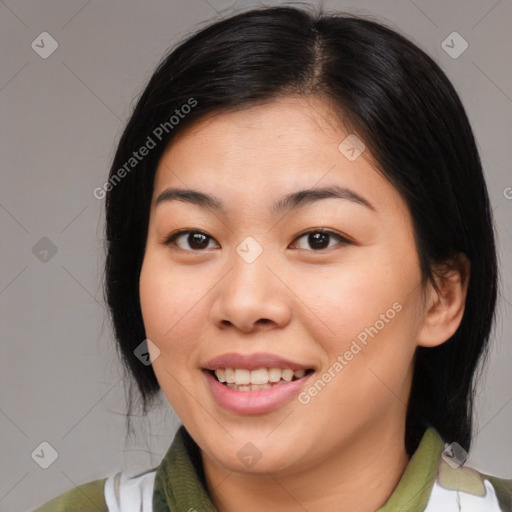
194 240
315 237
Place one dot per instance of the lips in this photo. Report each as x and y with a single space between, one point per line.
253 362
254 402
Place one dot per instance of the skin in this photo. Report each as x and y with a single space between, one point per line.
296 300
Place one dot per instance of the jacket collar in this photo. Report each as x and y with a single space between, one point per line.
180 484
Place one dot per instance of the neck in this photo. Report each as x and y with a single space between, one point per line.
368 466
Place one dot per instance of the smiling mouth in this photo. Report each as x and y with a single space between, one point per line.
240 379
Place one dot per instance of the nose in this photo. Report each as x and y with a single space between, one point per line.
251 296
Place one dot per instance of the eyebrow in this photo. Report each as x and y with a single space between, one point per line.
289 202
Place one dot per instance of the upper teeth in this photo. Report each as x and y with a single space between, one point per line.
240 376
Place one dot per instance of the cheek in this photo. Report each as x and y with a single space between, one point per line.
347 299
170 320
366 310
167 303
368 359
155 299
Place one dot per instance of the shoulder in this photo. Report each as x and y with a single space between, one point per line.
469 489
503 489
84 497
118 492
130 493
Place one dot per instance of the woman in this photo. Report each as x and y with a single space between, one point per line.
300 242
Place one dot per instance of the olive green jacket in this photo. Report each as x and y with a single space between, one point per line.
429 484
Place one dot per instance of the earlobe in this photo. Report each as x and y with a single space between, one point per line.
444 307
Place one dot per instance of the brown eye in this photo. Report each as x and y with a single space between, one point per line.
196 240
318 239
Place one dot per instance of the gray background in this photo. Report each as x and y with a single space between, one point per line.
60 380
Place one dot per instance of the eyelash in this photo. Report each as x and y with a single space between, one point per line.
173 236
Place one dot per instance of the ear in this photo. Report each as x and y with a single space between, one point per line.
444 308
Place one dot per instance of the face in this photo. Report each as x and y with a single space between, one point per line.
325 283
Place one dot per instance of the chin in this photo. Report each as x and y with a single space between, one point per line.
257 457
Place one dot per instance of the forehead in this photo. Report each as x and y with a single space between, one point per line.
266 151
288 128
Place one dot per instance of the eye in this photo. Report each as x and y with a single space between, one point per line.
318 238
198 240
